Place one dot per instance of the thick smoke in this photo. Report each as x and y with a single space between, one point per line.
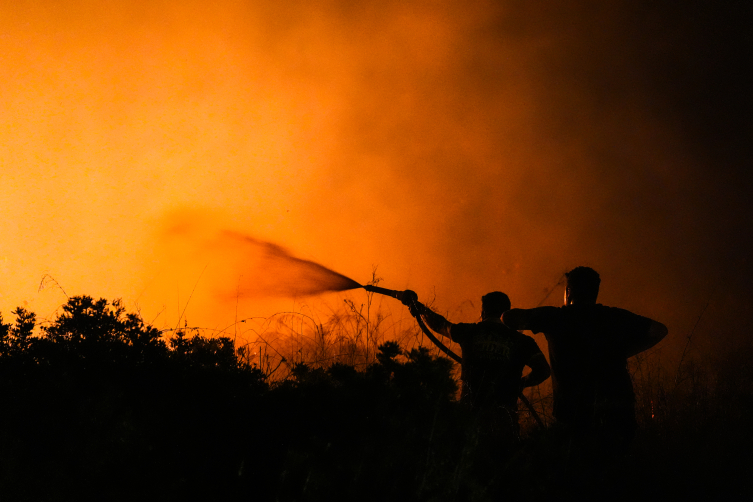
462 147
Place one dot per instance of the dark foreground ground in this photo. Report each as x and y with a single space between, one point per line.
99 406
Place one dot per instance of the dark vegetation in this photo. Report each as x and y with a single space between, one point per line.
98 405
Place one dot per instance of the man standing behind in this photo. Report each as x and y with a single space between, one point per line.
589 345
493 360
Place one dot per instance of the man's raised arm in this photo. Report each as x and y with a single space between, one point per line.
656 332
435 321
517 319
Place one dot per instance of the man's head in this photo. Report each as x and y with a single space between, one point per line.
494 304
582 286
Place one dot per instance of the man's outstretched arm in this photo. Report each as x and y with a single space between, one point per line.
656 332
435 321
518 319
539 371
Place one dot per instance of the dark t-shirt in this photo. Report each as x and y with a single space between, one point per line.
493 360
588 350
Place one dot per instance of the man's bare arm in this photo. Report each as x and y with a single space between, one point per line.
517 319
656 332
435 321
539 371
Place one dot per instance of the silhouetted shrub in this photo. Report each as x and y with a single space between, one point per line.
96 404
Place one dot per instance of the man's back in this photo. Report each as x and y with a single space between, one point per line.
588 350
493 360
589 345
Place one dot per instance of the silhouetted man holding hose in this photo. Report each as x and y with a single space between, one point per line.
493 358
589 345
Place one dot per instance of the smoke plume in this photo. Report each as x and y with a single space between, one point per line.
461 148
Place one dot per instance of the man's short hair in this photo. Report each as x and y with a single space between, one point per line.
583 283
495 304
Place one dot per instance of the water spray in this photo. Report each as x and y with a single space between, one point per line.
278 272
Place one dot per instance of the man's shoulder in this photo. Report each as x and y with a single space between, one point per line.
534 314
500 329
624 319
461 331
485 326
615 313
545 313
495 325
474 327
464 326
538 319
540 310
593 310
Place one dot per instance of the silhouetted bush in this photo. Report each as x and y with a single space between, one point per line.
98 405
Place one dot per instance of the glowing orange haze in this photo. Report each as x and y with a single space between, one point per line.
427 140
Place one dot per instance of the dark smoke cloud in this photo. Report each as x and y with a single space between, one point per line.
534 137
462 147
496 145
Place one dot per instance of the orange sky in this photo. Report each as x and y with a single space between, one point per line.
459 148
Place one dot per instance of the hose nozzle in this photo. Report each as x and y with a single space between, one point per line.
407 296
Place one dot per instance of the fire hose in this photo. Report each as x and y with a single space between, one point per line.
410 297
